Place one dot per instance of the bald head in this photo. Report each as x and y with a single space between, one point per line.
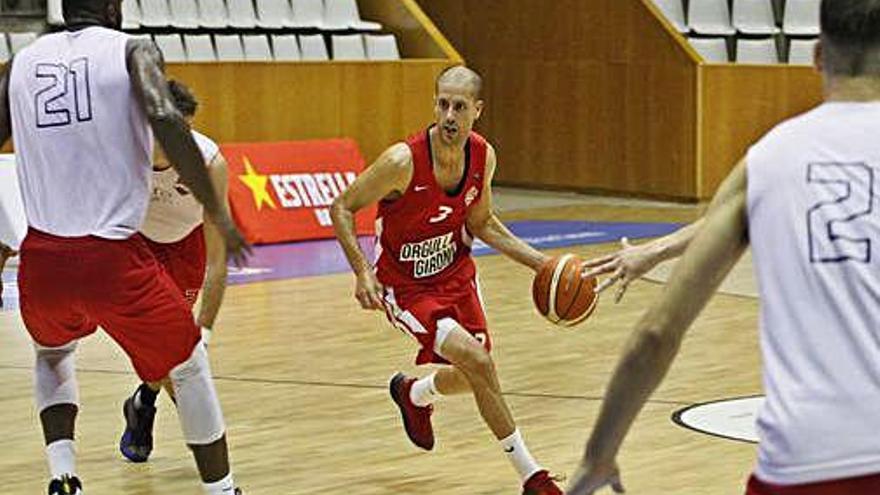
460 76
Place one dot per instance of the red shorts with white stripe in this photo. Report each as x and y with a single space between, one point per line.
422 312
70 286
184 261
863 485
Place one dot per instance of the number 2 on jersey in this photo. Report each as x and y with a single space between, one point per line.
65 93
833 225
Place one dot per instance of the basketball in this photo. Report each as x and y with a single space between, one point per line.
561 294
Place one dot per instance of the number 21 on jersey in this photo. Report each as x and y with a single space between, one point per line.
65 93
839 224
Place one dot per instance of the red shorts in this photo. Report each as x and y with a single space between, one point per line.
863 485
184 260
416 312
70 286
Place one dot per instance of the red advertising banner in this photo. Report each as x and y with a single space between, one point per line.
282 192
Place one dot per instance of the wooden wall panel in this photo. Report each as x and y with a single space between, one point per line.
740 104
581 95
374 103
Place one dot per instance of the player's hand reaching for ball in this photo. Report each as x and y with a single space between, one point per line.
369 291
627 264
591 478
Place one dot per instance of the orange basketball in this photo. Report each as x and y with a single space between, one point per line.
561 294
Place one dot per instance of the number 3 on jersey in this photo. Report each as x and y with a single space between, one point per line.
64 93
836 226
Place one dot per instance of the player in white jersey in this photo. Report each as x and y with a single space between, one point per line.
190 249
804 197
81 105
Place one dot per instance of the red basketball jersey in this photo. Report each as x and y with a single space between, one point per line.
422 236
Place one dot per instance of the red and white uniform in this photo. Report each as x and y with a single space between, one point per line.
84 148
173 227
424 250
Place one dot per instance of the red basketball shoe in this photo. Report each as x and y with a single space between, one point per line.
416 420
541 483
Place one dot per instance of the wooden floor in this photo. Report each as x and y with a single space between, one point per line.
302 376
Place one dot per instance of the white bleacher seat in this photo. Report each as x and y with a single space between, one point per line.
344 14
131 14
199 48
241 13
674 11
308 14
713 50
381 47
754 17
171 46
213 14
229 48
256 48
274 14
800 52
313 47
710 17
286 48
155 13
801 17
5 54
54 13
761 51
17 41
348 47
184 14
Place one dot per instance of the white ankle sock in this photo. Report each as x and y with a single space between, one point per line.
62 458
519 455
424 392
226 486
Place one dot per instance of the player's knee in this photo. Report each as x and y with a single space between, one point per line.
55 376
201 418
477 363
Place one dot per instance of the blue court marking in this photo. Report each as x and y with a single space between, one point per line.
308 259
314 258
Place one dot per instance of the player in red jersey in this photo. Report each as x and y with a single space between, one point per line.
435 196
190 249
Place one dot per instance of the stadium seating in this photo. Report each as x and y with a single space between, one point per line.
155 13
285 47
199 48
711 49
171 46
760 51
184 14
229 48
348 47
381 47
747 24
313 47
17 41
256 48
5 54
213 14
754 17
800 52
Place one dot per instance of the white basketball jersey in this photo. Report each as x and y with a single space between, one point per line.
814 227
174 212
82 143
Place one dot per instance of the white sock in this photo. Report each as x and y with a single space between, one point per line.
62 458
226 486
519 455
424 392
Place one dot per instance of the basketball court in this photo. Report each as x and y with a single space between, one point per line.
302 373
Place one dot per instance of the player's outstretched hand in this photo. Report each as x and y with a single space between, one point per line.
369 291
591 478
237 248
627 264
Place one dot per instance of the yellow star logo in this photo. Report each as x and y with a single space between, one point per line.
257 184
